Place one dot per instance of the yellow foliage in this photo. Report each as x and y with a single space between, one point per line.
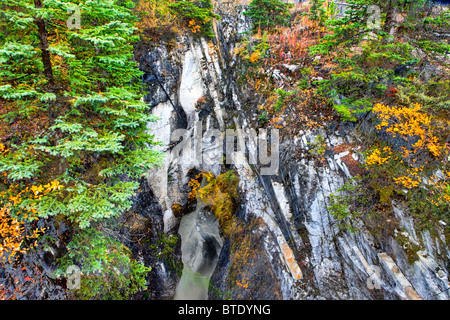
16 196
54 185
408 122
407 182
434 147
447 196
219 193
376 158
194 184
37 191
12 235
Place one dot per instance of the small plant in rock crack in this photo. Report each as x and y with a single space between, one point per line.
263 118
318 147
346 204
219 193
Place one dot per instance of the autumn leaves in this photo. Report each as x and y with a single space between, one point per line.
414 126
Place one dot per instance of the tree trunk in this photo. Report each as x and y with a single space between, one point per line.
45 54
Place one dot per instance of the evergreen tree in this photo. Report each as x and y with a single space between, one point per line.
316 9
268 14
74 139
372 26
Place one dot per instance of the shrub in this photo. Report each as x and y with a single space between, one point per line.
318 147
410 124
196 15
155 18
108 269
347 204
220 193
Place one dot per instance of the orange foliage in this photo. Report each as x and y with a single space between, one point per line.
255 56
289 46
195 28
11 235
155 19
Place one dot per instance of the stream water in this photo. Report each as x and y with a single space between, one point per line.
200 248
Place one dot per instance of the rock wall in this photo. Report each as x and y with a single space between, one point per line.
298 250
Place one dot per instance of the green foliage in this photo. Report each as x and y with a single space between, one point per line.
321 13
268 14
432 95
346 204
263 118
427 208
94 107
282 94
86 203
253 49
108 269
197 15
363 76
349 108
72 113
20 164
318 147
316 9
165 247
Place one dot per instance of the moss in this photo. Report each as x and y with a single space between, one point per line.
385 193
409 247
247 273
220 194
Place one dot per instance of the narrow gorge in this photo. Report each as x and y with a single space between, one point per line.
295 248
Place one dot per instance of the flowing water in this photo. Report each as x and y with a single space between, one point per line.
200 248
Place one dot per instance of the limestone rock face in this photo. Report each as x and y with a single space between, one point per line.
300 251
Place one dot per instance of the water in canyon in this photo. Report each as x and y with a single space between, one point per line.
200 248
